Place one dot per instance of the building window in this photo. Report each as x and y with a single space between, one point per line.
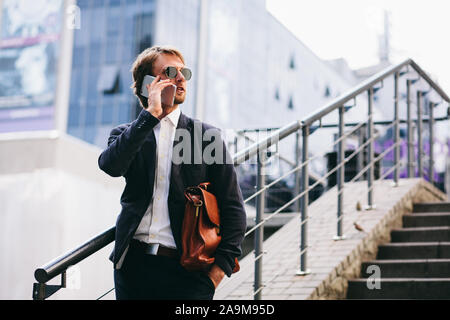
277 94
108 81
292 62
290 103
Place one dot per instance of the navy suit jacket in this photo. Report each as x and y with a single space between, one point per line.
131 153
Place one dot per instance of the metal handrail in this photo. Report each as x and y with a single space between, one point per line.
300 166
370 83
348 124
59 265
294 126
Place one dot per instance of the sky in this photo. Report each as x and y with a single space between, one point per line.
349 29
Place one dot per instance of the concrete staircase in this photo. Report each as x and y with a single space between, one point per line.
416 264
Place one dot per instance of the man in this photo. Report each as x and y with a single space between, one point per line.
148 230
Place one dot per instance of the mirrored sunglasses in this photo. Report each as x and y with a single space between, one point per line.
172 72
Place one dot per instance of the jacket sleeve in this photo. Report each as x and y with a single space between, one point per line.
233 218
123 144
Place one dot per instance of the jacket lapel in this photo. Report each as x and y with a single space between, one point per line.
149 149
176 191
178 175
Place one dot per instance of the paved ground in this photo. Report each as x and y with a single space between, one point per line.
281 262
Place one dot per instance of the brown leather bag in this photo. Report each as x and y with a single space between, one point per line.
200 234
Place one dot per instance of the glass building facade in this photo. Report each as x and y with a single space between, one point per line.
111 34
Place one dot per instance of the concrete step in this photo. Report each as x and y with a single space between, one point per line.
422 234
434 219
404 288
414 250
432 207
408 268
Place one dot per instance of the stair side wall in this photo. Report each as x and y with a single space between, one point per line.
336 285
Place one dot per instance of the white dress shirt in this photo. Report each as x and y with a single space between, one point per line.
155 225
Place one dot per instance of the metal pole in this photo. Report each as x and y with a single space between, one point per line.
370 175
202 57
340 175
360 156
396 131
419 133
259 233
431 127
64 66
409 129
297 173
304 204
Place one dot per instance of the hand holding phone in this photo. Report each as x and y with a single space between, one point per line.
167 93
154 89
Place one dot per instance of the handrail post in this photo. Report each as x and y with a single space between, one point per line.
431 135
360 156
340 175
304 204
259 232
42 290
396 131
370 174
409 128
297 172
419 133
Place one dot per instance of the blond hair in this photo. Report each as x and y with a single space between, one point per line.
143 65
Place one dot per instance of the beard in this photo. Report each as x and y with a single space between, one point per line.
179 99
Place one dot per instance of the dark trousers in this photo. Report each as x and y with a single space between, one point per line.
150 277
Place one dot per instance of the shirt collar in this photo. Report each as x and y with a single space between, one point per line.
174 116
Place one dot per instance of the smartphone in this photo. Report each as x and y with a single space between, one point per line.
167 94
